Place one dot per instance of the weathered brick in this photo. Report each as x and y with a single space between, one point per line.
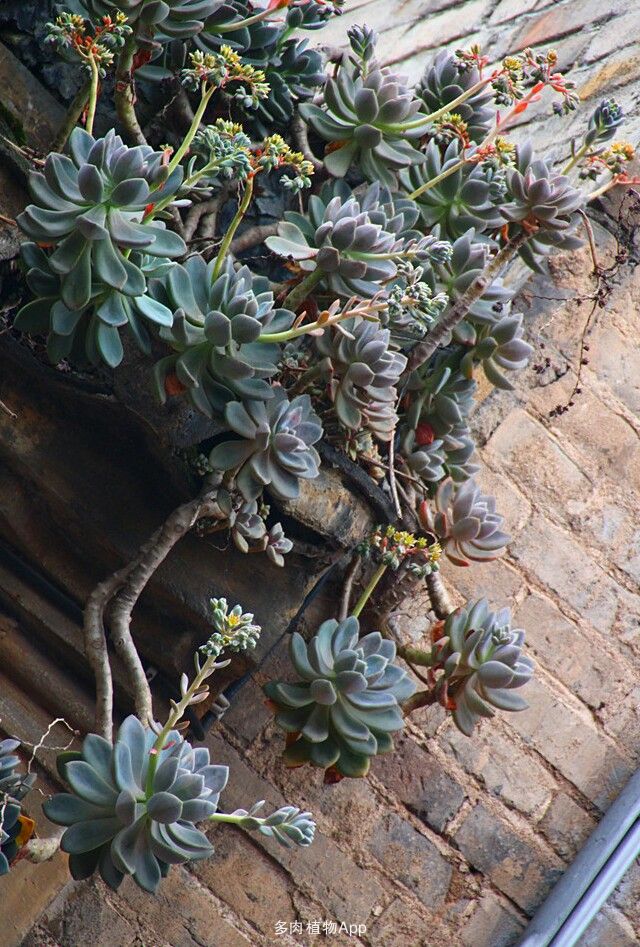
566 826
408 40
347 891
617 362
582 665
623 721
491 925
421 783
519 866
570 741
184 914
411 858
561 564
84 917
401 926
609 929
503 768
243 875
537 462
607 41
561 19
626 897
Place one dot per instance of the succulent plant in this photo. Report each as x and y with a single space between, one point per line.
275 449
352 237
369 119
498 348
251 40
444 80
124 817
545 204
364 372
277 545
9 778
441 400
428 461
294 72
482 660
90 333
466 199
312 14
465 522
288 825
9 831
90 207
347 705
215 329
160 21
607 117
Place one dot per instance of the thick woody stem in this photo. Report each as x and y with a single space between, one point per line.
299 135
421 699
152 554
124 95
121 591
438 596
95 645
424 350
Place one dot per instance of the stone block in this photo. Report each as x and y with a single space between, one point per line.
504 769
491 924
609 929
522 446
562 565
345 890
421 783
402 926
566 826
579 662
411 858
518 865
569 740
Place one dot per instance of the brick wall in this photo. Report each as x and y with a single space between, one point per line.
455 841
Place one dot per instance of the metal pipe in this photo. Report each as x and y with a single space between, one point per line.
598 892
603 841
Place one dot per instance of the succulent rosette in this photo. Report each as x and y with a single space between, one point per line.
369 117
90 333
354 237
482 662
347 705
463 200
465 522
215 331
129 816
160 20
499 348
275 446
364 372
89 209
444 80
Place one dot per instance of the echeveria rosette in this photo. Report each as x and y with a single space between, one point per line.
466 199
545 205
89 208
91 333
9 760
499 348
347 704
482 662
215 331
369 121
465 522
468 259
251 41
604 122
159 20
10 827
275 450
444 80
347 234
441 401
119 825
364 372
294 72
